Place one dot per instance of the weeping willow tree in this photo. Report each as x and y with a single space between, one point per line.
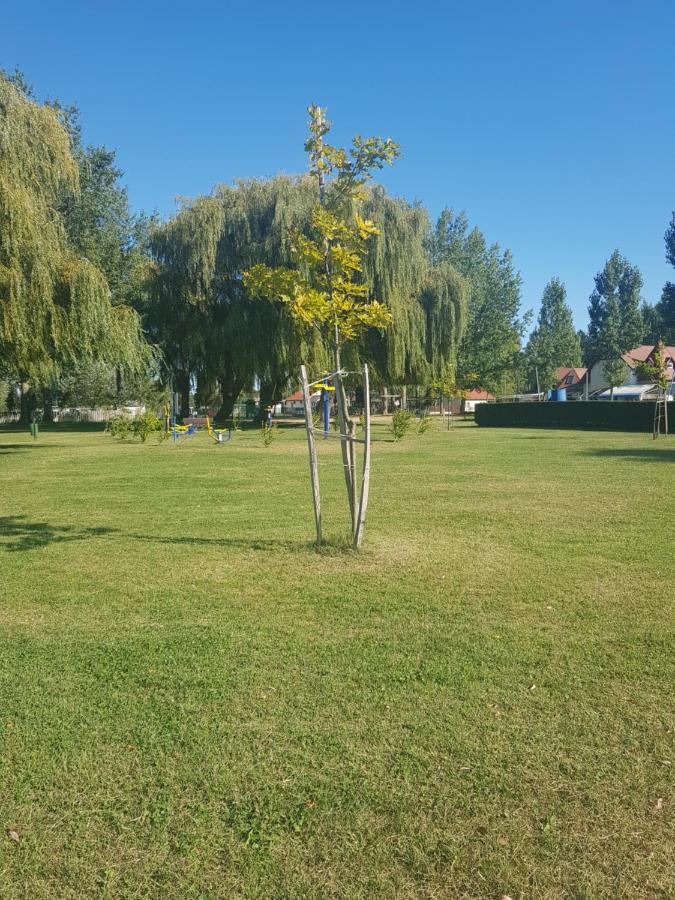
211 330
427 302
184 252
200 311
55 307
260 217
444 298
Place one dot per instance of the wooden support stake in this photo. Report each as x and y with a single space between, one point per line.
347 455
365 482
313 467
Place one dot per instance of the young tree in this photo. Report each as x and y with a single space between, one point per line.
325 290
55 307
554 342
656 370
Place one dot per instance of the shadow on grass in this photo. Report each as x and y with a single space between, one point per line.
18 448
18 534
242 543
656 454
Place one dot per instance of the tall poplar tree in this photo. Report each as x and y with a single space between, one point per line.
615 322
554 342
665 308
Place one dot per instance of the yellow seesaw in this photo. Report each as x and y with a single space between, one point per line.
219 435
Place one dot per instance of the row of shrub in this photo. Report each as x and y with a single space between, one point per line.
599 414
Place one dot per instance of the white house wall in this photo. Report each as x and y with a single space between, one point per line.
598 382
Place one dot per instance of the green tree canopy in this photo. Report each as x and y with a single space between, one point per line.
209 328
491 341
615 322
665 308
55 305
554 342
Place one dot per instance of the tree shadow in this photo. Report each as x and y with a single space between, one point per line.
243 543
27 447
655 454
18 534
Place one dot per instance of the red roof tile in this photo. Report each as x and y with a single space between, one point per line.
477 394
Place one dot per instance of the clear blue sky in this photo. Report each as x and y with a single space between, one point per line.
551 124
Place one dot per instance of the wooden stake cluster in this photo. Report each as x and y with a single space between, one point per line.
358 503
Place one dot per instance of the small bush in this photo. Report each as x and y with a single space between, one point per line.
119 427
400 423
123 428
146 424
424 424
269 432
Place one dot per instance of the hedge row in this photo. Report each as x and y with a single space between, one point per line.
598 414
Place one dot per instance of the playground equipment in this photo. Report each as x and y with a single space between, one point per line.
181 431
325 401
219 435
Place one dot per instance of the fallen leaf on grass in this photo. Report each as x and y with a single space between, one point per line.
658 804
13 835
532 687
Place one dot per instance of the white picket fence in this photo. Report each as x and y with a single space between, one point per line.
81 414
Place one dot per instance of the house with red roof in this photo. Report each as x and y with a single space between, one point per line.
474 398
634 385
572 380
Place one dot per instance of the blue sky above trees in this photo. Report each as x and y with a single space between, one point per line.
552 125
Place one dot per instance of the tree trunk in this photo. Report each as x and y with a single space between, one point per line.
47 406
268 394
230 388
182 388
27 403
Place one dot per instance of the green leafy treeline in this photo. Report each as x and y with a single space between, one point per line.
86 283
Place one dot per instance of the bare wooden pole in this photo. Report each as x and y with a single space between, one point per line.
347 455
351 446
313 467
365 481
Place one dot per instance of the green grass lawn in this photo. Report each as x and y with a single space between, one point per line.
195 703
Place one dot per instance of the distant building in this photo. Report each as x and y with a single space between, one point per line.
474 398
599 387
573 381
294 404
